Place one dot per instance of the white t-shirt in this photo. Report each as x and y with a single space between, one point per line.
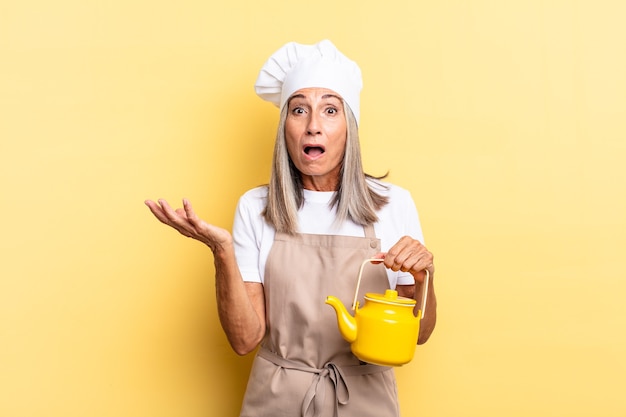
254 237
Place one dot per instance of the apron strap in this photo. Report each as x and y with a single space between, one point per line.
316 394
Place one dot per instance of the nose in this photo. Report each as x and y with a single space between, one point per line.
313 125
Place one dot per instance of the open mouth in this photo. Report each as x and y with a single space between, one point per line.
314 151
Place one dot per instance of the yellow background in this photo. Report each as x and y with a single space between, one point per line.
505 119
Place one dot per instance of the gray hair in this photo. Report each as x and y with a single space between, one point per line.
355 199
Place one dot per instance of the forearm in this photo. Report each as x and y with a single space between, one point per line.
427 323
240 306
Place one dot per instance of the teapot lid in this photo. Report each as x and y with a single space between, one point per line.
391 297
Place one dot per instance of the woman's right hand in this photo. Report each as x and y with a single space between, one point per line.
187 223
240 305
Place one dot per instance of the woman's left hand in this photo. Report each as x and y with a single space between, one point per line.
409 255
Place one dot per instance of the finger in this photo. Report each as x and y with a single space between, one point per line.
399 256
379 255
424 263
177 219
157 211
164 205
391 262
390 256
153 206
190 213
173 215
413 256
199 225
408 258
420 258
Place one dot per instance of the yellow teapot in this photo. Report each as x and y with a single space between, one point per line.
383 332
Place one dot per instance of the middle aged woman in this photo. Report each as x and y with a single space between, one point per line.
303 237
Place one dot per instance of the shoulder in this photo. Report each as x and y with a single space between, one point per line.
400 210
249 212
254 198
397 218
256 193
387 189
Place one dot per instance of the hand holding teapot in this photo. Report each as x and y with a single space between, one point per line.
409 255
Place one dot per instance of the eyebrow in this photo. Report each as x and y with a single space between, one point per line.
325 96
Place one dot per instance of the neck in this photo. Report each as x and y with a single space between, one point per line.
313 183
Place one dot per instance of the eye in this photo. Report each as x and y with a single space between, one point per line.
331 110
298 110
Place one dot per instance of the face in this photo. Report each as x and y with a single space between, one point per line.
316 132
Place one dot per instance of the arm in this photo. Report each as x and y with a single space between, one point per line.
411 256
240 305
427 324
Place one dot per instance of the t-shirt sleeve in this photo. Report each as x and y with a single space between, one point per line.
413 228
247 229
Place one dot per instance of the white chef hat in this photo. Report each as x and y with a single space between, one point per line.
296 66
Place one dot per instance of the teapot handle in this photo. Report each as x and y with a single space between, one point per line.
358 284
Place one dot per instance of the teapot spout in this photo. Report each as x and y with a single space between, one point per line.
346 323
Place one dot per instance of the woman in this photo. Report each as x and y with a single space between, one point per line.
303 237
